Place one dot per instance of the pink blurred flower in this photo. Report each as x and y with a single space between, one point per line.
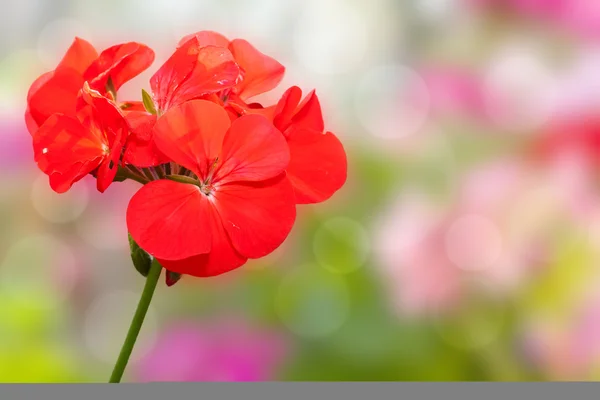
455 91
15 149
217 350
495 237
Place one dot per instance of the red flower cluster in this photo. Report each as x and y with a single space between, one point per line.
222 176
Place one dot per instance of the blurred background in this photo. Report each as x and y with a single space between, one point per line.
464 246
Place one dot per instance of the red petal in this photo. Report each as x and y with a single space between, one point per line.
261 73
191 72
309 115
99 114
56 91
240 107
141 149
80 55
258 216
38 83
222 257
192 134
66 151
206 38
121 63
253 150
169 220
30 123
318 165
58 94
306 115
286 108
60 183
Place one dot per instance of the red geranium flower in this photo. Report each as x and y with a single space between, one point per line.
56 91
235 203
195 70
259 72
318 165
205 65
68 148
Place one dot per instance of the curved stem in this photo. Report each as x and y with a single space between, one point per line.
136 323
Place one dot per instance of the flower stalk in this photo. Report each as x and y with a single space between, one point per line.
137 322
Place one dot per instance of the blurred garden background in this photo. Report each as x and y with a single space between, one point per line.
464 246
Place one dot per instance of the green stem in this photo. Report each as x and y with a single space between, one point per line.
183 179
136 323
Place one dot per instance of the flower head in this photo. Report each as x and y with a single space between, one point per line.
221 176
57 91
68 148
234 203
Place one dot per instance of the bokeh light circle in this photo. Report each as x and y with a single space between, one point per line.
392 102
104 231
341 245
59 208
330 37
106 228
39 266
106 323
312 302
520 91
473 242
436 10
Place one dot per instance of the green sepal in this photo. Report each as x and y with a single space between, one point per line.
148 102
172 278
141 259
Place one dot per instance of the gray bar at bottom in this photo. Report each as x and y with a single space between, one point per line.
305 391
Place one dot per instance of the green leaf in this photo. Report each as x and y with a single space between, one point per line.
148 102
141 259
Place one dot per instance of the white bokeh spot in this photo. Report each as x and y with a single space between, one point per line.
392 102
520 91
330 37
59 208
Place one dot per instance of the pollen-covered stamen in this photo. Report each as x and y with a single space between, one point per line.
105 149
